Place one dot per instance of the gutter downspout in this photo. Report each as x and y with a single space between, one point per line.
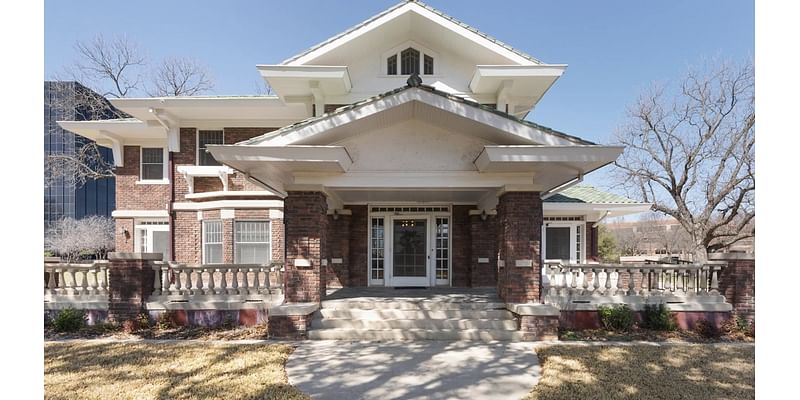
170 210
563 186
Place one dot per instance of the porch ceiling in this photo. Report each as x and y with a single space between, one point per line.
411 196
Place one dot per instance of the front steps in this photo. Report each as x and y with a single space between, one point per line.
389 319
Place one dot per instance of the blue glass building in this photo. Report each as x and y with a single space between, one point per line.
63 199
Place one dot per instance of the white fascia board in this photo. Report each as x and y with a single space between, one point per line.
230 193
212 205
291 81
488 78
522 154
122 129
212 171
337 72
140 214
217 108
324 155
520 130
439 180
615 210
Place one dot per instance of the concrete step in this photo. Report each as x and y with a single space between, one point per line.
429 324
388 314
415 334
410 305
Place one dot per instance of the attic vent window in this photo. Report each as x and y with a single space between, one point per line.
412 61
409 61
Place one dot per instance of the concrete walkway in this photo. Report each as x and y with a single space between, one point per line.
413 370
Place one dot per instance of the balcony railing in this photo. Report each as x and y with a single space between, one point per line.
76 285
584 286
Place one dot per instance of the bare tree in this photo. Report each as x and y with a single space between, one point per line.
180 77
112 68
693 155
74 238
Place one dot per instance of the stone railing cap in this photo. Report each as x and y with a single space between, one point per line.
294 309
731 256
534 309
135 256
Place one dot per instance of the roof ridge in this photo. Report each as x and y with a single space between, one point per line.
425 6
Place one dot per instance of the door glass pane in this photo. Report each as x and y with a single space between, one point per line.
161 244
409 258
442 248
377 245
557 243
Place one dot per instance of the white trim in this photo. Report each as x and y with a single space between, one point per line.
234 193
227 213
140 214
164 166
212 205
203 240
396 50
573 249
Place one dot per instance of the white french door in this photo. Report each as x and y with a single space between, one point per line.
153 237
409 250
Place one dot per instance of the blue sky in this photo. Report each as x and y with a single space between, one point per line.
615 49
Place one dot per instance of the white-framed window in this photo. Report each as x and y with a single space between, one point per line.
409 58
204 138
152 236
152 166
564 240
212 242
252 242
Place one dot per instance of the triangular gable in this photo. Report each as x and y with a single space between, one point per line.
518 130
425 11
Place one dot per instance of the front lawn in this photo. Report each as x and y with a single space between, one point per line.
115 370
646 371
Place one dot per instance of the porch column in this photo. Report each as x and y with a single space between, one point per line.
305 223
519 218
484 250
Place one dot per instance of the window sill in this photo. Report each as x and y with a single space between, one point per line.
153 182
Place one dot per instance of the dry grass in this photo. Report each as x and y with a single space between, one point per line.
641 371
166 371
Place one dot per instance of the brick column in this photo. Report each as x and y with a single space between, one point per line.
737 282
306 224
519 218
130 282
338 235
483 258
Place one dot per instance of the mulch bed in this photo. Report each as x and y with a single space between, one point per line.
637 334
187 332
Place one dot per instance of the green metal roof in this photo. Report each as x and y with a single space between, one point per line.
588 194
435 11
427 88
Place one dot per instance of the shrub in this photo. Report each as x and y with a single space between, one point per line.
69 320
658 317
130 325
166 320
618 317
738 326
143 321
706 329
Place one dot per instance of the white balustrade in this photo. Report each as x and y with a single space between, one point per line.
80 285
213 284
584 286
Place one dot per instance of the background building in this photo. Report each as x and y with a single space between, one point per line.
63 199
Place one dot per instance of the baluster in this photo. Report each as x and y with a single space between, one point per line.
103 283
189 286
575 273
51 281
704 280
72 286
256 286
223 285
563 289
95 283
668 281
166 281
608 281
198 284
210 286
234 281
631 282
692 281
157 280
619 290
245 288
178 285
595 281
645 291
715 280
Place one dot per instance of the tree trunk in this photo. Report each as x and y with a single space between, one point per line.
700 253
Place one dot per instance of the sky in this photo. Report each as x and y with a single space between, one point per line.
614 49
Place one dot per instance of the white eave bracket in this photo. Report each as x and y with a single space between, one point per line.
189 172
172 127
116 147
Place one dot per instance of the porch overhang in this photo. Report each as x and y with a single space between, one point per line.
523 85
297 83
116 133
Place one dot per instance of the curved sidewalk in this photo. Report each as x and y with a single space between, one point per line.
413 370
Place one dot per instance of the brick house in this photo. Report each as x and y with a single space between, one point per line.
394 154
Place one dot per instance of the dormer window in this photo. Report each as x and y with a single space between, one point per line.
413 59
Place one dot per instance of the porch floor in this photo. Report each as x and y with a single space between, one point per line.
443 295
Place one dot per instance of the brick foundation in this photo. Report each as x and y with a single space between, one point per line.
579 320
483 233
338 248
737 283
289 326
357 274
519 218
461 243
306 223
538 327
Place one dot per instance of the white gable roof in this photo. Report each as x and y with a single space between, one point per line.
430 15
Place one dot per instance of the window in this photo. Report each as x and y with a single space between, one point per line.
252 244
564 241
212 242
152 163
409 61
153 237
428 70
442 250
205 138
377 246
391 65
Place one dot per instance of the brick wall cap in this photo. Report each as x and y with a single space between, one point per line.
135 256
293 309
732 256
535 309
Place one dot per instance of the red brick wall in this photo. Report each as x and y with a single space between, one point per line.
484 245
737 283
338 247
461 245
591 242
133 196
306 230
124 243
130 285
187 237
519 216
359 236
